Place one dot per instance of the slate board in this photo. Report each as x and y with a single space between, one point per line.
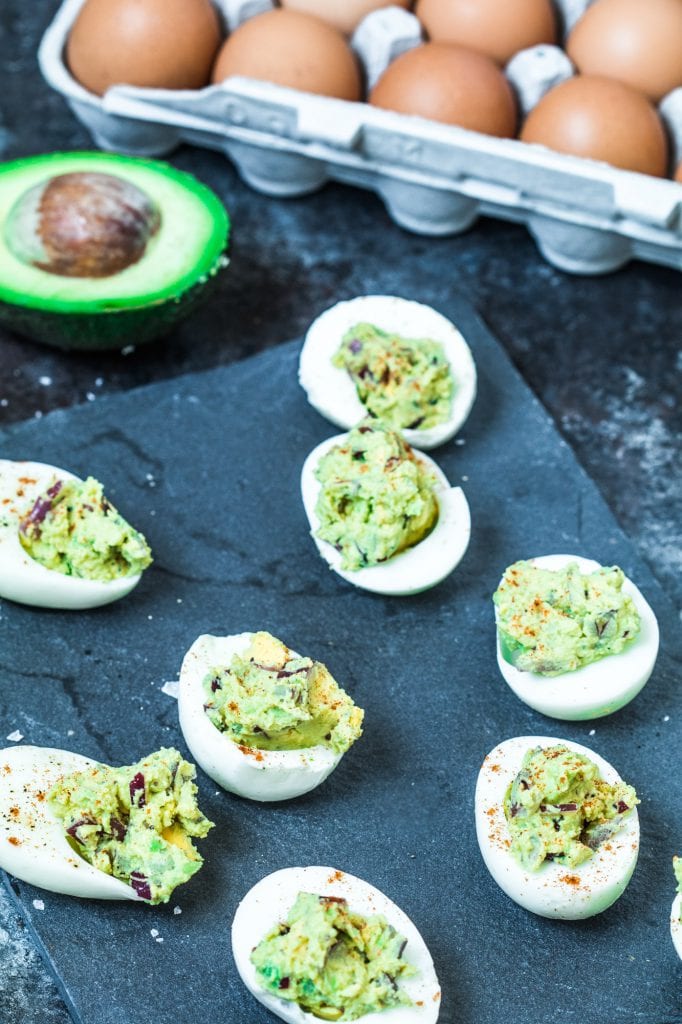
207 466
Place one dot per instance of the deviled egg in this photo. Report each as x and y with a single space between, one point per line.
393 358
74 826
382 514
364 958
676 912
261 720
575 640
556 825
62 544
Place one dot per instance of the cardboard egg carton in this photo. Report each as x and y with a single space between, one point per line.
586 217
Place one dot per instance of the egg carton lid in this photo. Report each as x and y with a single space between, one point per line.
587 217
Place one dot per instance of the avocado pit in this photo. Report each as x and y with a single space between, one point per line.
82 224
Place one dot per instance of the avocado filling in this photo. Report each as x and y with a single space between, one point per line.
335 964
677 868
135 822
555 621
376 498
73 529
268 699
558 808
406 382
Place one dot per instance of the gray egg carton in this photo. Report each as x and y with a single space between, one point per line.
586 217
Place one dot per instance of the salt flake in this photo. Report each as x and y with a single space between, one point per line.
171 688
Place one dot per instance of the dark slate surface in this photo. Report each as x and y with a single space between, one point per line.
207 466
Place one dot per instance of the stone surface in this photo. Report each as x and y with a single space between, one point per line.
223 514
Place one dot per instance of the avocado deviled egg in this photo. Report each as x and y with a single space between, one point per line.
62 542
392 358
575 640
262 721
315 943
74 826
556 825
383 515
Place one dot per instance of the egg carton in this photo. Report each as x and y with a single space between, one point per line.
586 217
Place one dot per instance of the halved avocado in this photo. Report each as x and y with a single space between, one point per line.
171 266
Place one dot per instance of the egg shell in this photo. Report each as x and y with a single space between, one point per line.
553 891
676 924
637 43
496 28
447 83
678 172
600 119
167 44
345 15
332 392
270 901
600 688
291 49
33 845
23 579
263 775
411 571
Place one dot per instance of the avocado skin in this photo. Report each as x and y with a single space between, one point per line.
111 328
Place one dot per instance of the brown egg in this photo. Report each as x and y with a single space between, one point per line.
160 43
497 28
678 173
601 119
293 49
448 83
342 14
638 42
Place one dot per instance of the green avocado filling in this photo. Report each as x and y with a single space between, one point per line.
268 699
406 382
555 621
135 822
376 498
73 529
335 964
558 808
677 868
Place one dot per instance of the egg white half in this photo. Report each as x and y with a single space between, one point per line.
598 689
257 774
676 924
415 569
570 893
270 901
23 579
33 845
332 392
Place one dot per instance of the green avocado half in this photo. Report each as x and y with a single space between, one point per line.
170 276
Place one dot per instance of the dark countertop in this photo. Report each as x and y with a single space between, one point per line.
602 354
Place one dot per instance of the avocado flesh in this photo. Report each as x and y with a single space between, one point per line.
175 274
